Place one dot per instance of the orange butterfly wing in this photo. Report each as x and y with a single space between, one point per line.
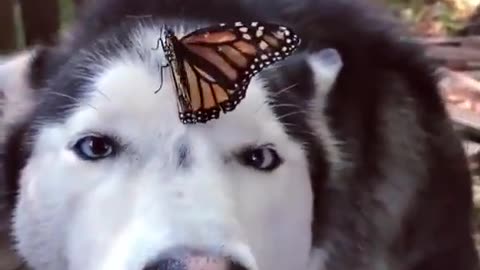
217 64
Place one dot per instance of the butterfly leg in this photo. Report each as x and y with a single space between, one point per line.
158 45
159 41
161 77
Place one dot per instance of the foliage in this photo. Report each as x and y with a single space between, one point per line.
434 17
66 11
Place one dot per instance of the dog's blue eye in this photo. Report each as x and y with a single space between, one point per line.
94 147
263 158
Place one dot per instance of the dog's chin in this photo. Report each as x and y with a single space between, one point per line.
196 263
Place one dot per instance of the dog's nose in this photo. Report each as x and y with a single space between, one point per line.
167 264
195 263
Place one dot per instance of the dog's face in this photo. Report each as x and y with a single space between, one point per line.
114 180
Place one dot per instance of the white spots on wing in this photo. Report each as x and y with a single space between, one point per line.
280 35
247 37
263 45
259 33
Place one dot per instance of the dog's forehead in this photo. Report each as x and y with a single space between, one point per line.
124 96
120 86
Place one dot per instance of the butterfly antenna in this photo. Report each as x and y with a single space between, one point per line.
161 77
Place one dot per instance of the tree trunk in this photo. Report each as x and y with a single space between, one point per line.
78 5
7 26
41 20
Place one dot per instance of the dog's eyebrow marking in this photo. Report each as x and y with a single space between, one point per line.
184 157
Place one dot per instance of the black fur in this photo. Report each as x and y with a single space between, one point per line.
383 74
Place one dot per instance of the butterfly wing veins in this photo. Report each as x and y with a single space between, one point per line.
223 58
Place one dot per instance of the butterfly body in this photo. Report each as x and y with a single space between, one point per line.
213 66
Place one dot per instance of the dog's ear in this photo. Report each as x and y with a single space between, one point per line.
17 100
22 77
17 96
326 65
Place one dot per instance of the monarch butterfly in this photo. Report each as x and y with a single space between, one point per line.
213 66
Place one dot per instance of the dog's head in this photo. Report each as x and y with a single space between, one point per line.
112 179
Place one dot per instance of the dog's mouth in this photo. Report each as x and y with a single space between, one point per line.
196 263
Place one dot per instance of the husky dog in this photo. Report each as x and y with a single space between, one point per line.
341 157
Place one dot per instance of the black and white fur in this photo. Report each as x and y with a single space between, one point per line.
372 175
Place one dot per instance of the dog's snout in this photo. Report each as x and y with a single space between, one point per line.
195 263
